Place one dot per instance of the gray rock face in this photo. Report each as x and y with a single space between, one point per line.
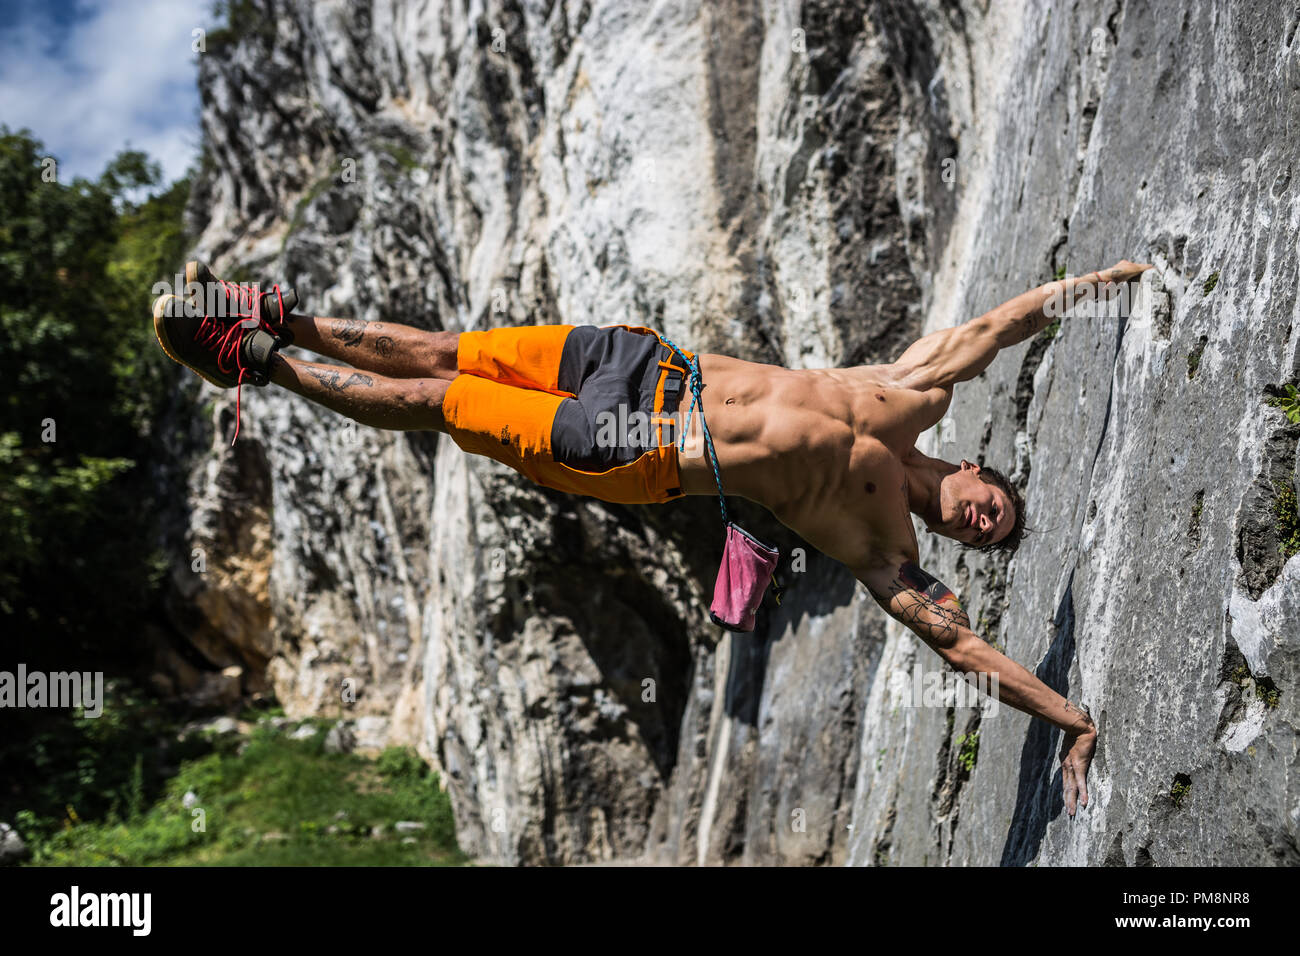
812 184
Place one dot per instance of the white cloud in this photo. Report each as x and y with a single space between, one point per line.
122 72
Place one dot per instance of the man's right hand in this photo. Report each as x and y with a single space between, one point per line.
1123 271
1076 757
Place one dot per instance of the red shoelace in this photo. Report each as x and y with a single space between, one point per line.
225 339
248 297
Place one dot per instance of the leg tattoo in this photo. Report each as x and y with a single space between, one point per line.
330 379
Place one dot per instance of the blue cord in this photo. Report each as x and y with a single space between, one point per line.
696 380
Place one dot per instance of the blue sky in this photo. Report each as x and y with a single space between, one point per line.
89 77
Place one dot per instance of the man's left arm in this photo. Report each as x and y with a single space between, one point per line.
932 612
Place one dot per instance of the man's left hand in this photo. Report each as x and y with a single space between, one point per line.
1076 757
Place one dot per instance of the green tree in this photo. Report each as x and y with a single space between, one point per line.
84 384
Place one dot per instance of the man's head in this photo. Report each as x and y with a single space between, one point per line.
980 508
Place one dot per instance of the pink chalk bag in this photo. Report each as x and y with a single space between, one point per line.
748 565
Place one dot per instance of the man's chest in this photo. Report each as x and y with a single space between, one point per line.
865 513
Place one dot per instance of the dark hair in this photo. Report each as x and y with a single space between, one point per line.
1012 540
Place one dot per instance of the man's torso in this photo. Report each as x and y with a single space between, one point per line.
822 449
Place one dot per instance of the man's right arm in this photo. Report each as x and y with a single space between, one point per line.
943 358
932 612
1030 312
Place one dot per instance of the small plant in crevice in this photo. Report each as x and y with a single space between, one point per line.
1210 283
1181 788
1289 402
1264 687
968 750
1267 691
1049 331
1288 520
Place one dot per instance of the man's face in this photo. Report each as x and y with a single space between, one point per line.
973 511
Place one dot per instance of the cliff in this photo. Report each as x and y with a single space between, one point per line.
810 184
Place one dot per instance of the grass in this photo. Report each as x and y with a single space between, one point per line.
268 800
1181 788
1210 283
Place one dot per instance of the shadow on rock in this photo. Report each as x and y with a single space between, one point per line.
1038 796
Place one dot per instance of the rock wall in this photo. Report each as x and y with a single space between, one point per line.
808 183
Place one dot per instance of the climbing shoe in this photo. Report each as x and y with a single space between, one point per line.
246 304
219 349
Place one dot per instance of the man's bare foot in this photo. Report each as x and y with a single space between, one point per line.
1076 757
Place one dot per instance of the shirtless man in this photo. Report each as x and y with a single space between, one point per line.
831 452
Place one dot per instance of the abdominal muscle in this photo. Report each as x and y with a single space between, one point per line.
781 435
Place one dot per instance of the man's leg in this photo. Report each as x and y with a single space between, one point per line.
403 404
397 351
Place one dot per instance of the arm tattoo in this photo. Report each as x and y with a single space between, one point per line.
924 604
330 379
349 331
384 346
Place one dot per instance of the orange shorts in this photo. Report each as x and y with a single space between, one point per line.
581 409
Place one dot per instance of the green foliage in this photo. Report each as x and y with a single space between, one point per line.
1289 402
1181 788
270 800
400 763
72 767
1288 520
43 500
968 750
1210 283
405 159
1050 330
239 19
1263 687
84 382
